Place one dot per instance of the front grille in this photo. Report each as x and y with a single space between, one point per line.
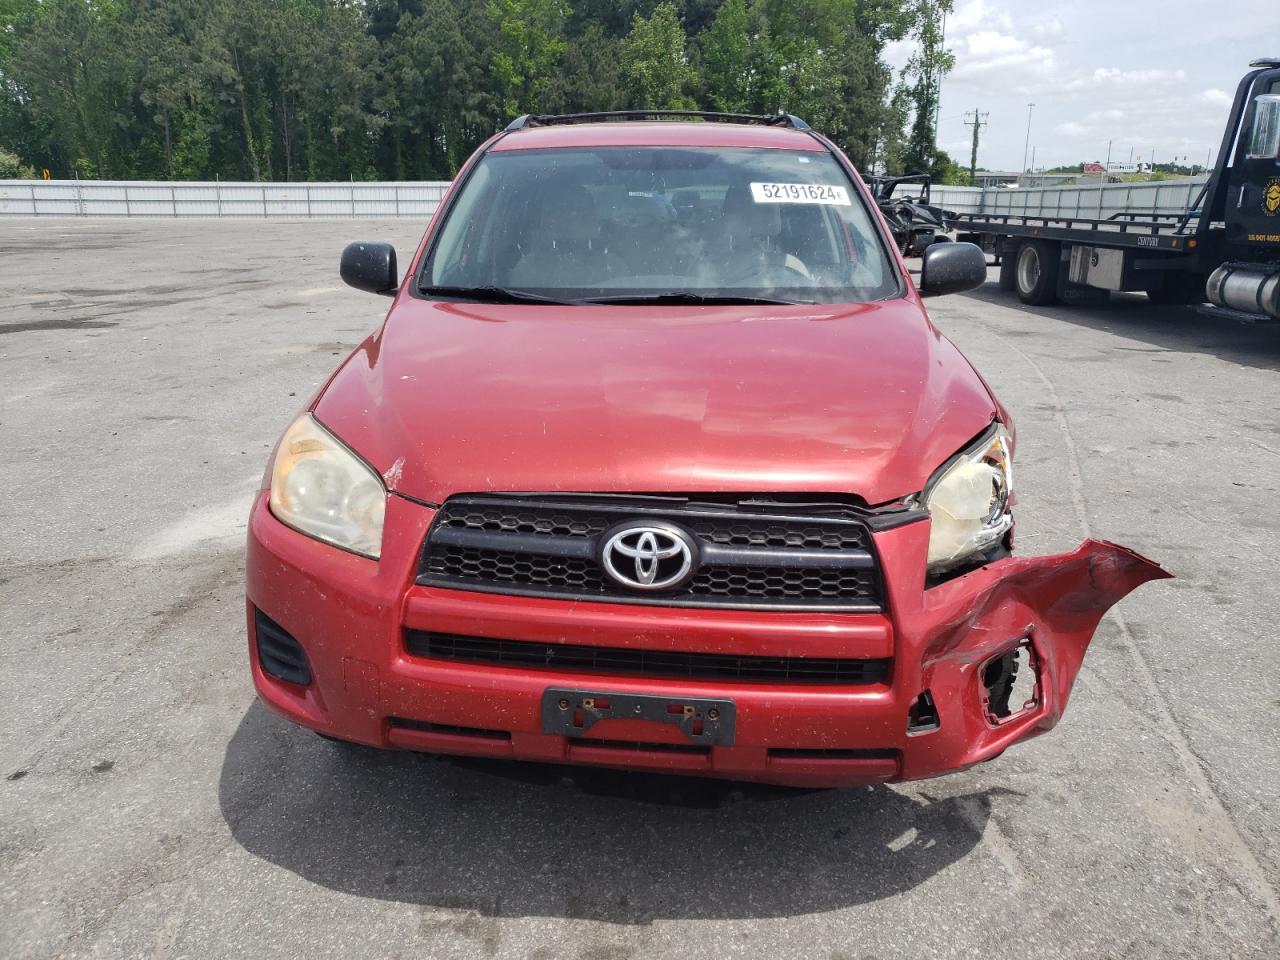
476 565
782 583
627 661
731 529
747 554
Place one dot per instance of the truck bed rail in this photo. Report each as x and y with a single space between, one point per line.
1149 233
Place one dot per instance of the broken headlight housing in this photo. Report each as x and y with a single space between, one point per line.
320 488
968 503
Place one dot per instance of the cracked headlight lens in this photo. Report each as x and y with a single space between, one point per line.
322 489
969 504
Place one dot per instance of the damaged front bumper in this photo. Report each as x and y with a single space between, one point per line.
939 708
955 637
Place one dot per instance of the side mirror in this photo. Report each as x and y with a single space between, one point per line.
952 267
370 266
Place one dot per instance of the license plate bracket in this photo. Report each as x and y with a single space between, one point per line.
572 712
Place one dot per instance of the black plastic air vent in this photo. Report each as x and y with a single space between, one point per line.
641 662
279 654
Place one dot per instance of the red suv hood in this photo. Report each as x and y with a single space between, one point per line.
460 397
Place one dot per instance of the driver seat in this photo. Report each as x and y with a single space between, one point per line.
561 240
752 238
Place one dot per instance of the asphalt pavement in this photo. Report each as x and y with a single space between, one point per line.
149 807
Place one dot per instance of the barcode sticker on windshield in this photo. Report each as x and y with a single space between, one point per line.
799 193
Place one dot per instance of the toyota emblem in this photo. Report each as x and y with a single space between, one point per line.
647 557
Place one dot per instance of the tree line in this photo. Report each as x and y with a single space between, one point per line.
406 89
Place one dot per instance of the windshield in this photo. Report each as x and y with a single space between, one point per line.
650 223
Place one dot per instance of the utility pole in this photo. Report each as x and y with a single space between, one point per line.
1104 177
937 91
978 122
1027 145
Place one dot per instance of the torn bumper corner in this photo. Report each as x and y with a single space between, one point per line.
1034 617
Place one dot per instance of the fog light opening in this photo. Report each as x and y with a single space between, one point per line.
279 654
1011 684
923 715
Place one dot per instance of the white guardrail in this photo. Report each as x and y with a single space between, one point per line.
155 198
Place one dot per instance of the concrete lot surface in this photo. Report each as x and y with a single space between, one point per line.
150 808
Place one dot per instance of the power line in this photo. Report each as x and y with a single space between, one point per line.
978 121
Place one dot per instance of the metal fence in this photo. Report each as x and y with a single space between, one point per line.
147 198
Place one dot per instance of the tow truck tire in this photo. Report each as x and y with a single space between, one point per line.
1008 272
1036 272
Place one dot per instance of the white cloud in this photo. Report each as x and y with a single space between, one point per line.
897 53
978 14
989 43
986 43
1098 70
1048 32
1114 78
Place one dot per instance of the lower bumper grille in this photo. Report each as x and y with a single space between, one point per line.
625 661
279 654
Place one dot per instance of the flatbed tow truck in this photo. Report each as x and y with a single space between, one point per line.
1224 250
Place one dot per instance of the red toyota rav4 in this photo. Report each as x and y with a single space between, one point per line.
657 462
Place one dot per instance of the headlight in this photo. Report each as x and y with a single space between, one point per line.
969 503
322 489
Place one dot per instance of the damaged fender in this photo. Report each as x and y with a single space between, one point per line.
949 633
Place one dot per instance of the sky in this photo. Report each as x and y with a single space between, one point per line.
1149 75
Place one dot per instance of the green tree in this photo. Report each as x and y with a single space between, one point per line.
330 89
530 42
888 153
12 167
923 76
440 102
591 74
658 73
818 59
730 54
69 66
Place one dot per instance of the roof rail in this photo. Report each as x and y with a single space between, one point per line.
547 120
1266 62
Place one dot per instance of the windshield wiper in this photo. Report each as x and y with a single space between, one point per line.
492 295
684 296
